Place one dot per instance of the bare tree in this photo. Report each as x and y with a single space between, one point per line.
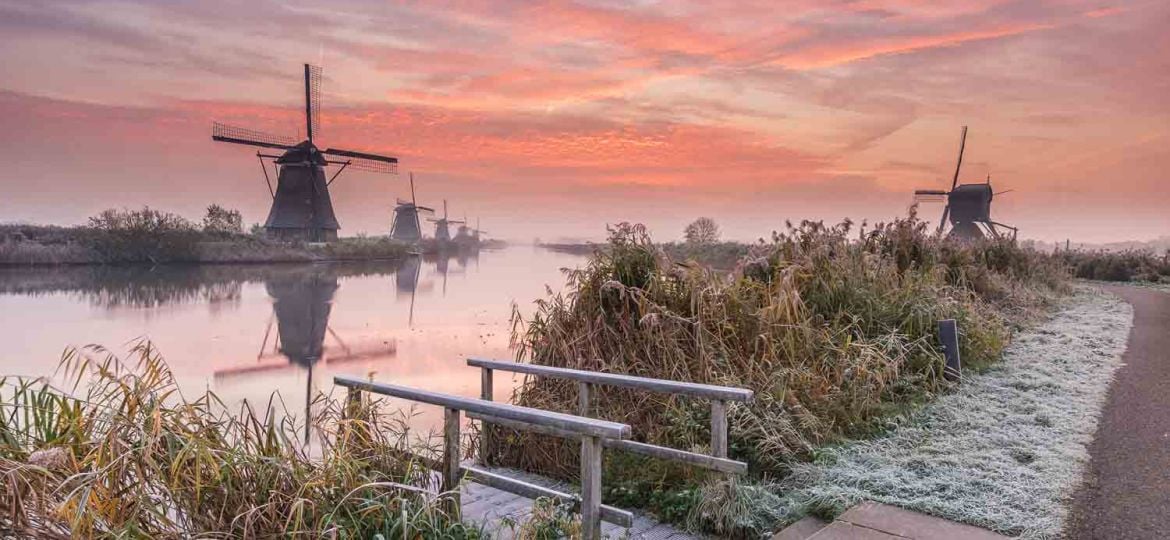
221 220
702 231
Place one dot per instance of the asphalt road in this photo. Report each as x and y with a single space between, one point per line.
1126 493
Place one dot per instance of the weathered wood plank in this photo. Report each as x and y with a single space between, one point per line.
451 459
719 428
485 433
727 393
691 458
584 398
576 424
522 426
590 488
610 514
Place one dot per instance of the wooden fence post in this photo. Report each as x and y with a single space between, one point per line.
485 431
719 428
451 460
584 398
948 336
353 403
590 488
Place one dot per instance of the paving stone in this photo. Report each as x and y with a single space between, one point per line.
843 530
801 530
908 524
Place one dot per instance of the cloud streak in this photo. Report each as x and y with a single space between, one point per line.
813 109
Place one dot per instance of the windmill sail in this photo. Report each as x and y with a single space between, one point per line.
238 135
955 181
312 100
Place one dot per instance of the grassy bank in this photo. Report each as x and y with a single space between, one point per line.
1005 450
833 328
122 454
1129 265
26 245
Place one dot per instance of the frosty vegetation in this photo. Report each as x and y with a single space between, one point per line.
1006 450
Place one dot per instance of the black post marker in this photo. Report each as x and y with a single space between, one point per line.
948 336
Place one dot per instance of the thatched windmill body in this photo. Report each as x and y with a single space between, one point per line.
301 206
443 225
968 206
407 226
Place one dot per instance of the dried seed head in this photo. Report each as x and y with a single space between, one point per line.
54 459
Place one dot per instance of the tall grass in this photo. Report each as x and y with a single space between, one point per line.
121 453
830 327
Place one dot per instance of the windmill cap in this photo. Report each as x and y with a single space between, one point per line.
305 152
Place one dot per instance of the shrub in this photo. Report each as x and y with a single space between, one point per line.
1128 265
144 235
830 329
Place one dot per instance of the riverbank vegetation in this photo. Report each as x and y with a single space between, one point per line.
1130 265
831 326
154 237
122 454
1011 471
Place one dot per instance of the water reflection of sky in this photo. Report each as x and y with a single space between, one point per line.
246 331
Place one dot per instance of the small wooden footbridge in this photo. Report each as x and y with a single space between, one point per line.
479 492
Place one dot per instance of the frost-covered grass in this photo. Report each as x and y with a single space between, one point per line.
1006 450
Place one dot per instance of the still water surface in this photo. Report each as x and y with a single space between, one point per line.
245 332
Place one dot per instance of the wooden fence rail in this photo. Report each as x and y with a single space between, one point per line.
719 396
591 432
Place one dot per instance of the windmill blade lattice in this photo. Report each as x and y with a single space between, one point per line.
240 135
313 100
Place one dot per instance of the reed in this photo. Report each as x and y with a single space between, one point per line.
121 453
833 329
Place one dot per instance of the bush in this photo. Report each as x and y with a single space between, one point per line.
144 235
1129 265
832 330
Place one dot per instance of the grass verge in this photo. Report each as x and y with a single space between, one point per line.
1004 451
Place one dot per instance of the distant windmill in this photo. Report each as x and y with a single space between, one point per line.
477 231
442 229
406 226
968 206
301 207
463 233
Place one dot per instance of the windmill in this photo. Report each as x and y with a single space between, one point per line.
406 226
301 207
463 233
442 229
477 231
968 206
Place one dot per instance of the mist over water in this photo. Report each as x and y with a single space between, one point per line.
246 331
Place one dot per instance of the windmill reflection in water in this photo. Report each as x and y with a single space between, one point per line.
302 303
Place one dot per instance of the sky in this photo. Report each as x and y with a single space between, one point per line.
552 119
